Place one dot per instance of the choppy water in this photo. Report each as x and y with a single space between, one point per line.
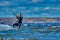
32 33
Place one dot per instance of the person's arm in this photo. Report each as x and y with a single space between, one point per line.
15 15
22 17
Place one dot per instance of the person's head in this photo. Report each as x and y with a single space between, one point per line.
19 15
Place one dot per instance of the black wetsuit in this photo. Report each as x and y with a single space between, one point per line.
19 22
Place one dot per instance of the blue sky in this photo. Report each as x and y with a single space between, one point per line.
30 8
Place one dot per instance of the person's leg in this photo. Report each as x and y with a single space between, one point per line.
20 25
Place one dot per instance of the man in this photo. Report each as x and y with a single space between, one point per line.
19 22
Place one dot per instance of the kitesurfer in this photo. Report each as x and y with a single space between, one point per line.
19 21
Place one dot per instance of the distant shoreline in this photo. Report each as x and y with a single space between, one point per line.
30 20
32 17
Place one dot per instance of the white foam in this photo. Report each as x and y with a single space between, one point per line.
46 8
5 27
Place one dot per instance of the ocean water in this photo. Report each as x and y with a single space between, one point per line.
32 32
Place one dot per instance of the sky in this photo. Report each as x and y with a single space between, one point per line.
30 8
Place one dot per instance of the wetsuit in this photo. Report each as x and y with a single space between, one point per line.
19 21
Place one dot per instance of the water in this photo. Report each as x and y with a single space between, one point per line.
30 32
